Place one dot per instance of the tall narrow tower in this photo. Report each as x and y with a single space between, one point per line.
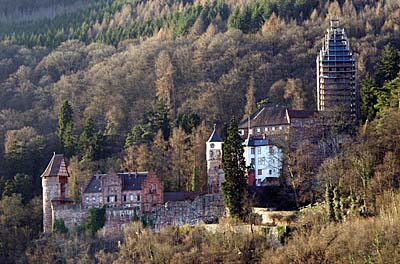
214 162
336 74
55 188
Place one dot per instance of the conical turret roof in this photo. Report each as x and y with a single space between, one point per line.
214 137
56 167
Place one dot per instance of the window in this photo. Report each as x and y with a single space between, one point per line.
131 197
253 161
211 154
270 172
138 198
87 199
110 199
273 128
280 127
94 199
116 198
258 150
271 150
101 199
261 161
259 172
124 197
258 130
253 151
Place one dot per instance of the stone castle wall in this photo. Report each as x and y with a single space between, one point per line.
206 208
73 215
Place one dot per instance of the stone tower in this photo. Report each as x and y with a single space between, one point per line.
55 188
214 162
336 74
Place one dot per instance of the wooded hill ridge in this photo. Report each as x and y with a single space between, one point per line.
128 83
200 57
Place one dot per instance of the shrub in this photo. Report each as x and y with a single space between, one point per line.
59 226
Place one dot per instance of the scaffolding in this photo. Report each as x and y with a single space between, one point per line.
336 73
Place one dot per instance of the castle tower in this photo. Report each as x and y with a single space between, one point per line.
214 162
336 74
55 188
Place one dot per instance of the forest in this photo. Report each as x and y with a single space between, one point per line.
137 85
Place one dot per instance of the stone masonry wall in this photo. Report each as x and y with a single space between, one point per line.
50 191
204 209
73 215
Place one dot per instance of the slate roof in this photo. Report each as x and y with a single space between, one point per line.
255 142
131 181
214 137
300 113
56 167
272 116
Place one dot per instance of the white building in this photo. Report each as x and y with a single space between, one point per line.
265 158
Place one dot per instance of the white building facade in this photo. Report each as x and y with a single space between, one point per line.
265 158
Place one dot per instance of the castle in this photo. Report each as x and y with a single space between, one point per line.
126 196
130 194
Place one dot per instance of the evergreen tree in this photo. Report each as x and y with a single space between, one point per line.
65 128
337 205
329 205
234 187
96 219
235 19
388 66
92 142
368 99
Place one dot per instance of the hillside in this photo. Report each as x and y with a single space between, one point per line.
135 83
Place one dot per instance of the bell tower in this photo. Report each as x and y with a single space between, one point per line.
214 162
55 188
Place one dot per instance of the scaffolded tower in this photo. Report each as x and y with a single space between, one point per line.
336 74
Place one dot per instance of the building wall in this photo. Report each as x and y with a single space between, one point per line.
214 166
266 160
50 191
206 208
132 199
73 215
90 200
152 192
275 130
112 190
